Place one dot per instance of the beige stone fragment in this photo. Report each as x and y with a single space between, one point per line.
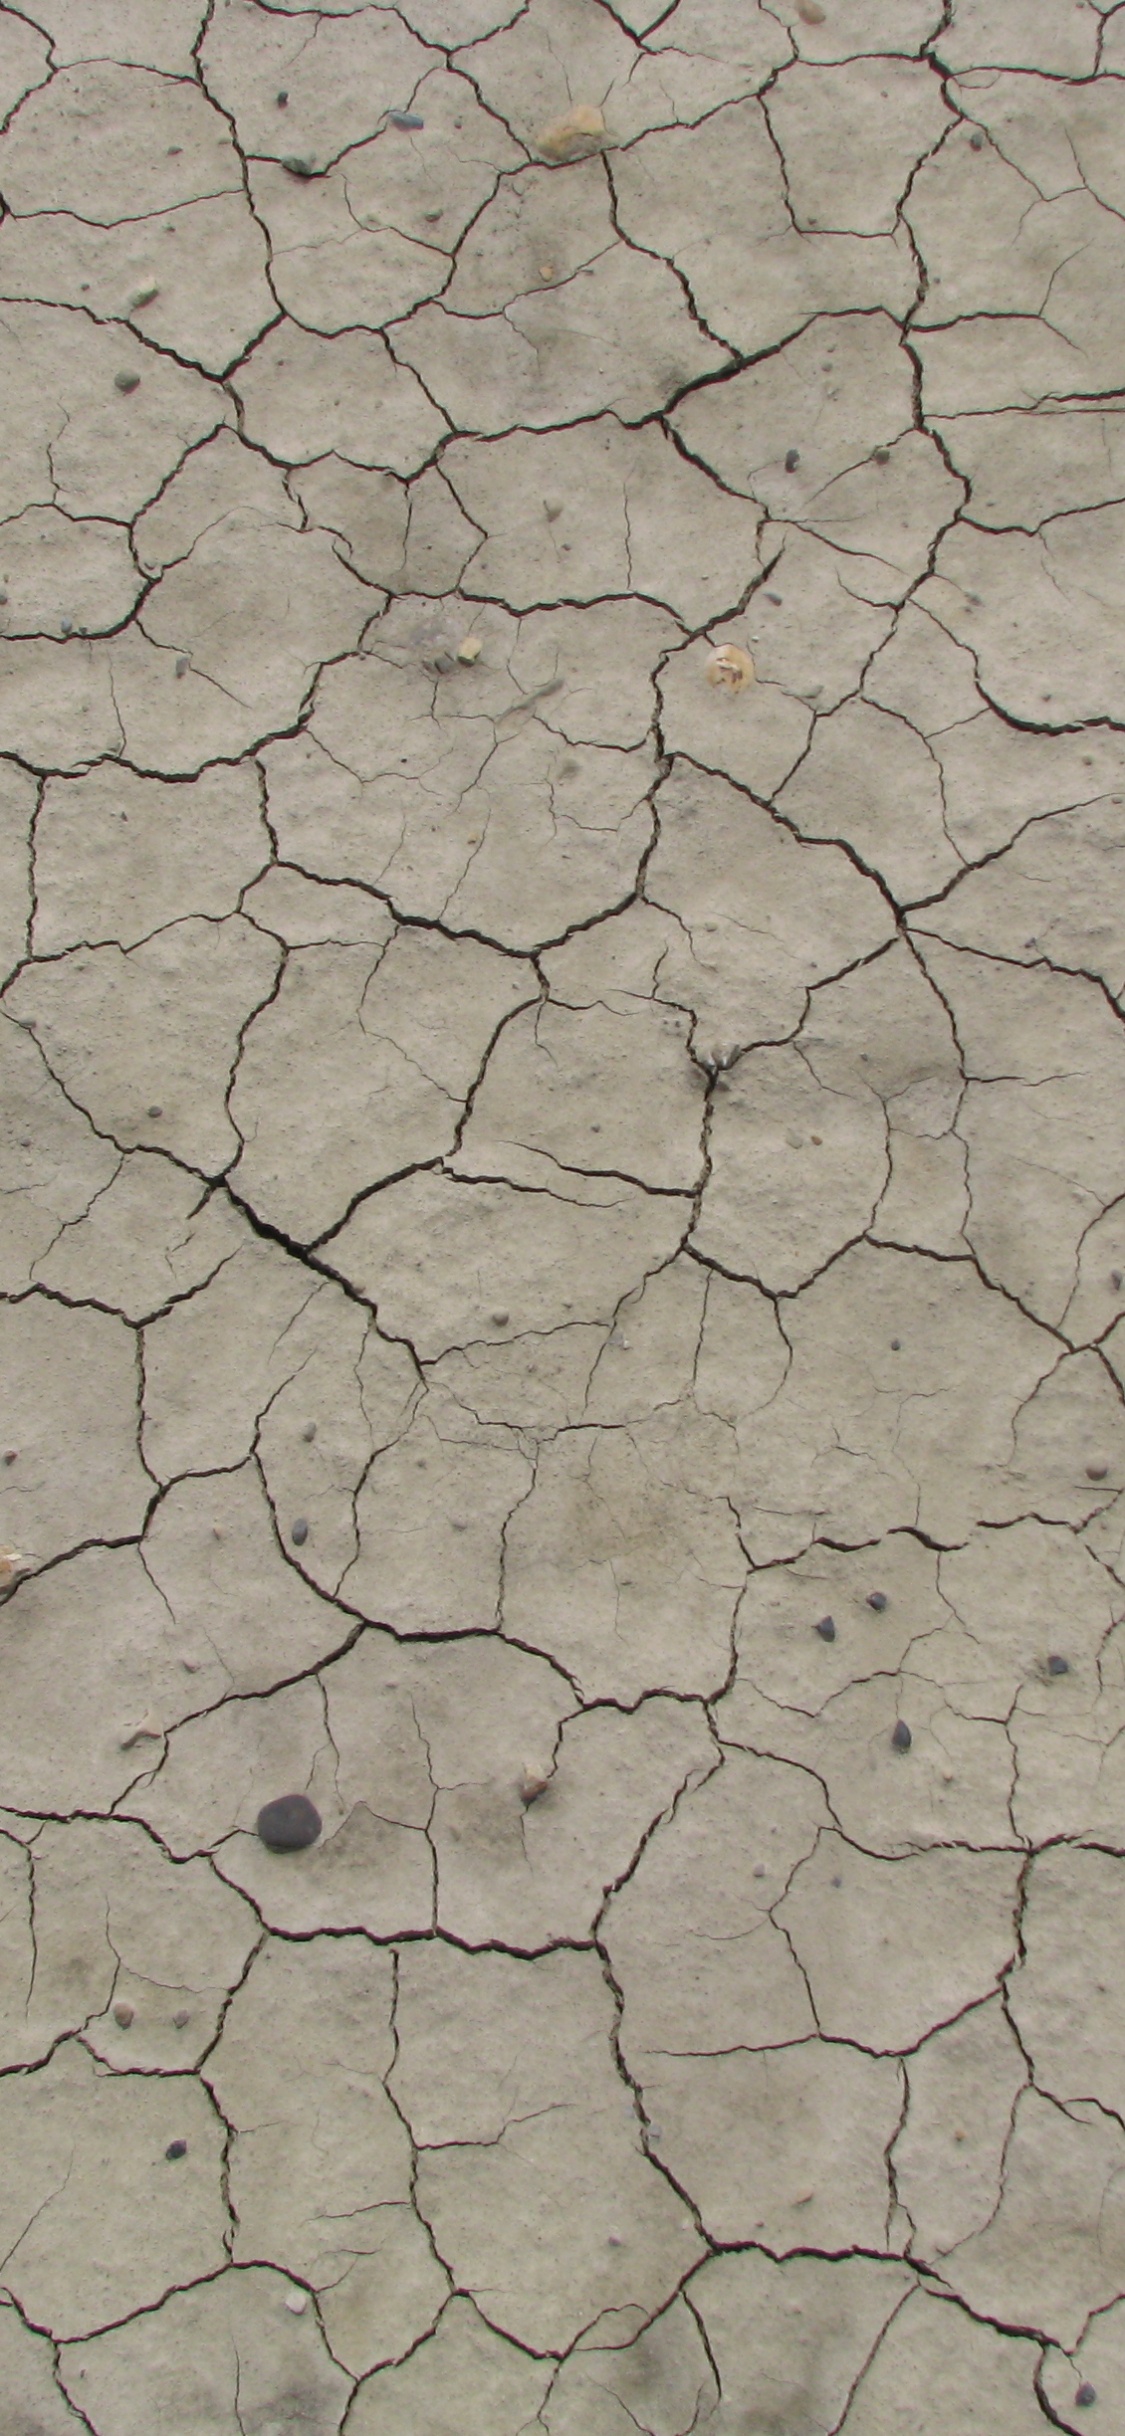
786 2148
430 1521
1054 897
797 1168
1064 2005
948 2157
850 136
305 395
631 518
937 2369
205 260
57 570
527 1872
351 1394
1098 2360
664 205
114 1919
997 34
587 1091
81 2243
70 436
662 2379
1053 2250
410 539
1041 1117
790 2338
117 1030
70 1399
105 141
27 2369
464 2368
118 856
438 1255
314 2151
339 85
213 1363
229 2347
248 1620
360 1068
870 780
894 1948
91 1639
52 1165
701 1902
151 1235
624 1565
511 2063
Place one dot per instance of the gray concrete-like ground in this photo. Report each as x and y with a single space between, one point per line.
562 835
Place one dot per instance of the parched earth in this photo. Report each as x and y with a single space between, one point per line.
563 1242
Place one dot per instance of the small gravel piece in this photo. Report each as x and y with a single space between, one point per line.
878 1600
1096 1471
156 1109
1085 2396
1116 1278
792 460
1057 1665
976 142
124 2013
283 101
182 665
826 1628
126 382
66 625
902 1736
143 297
882 456
289 1824
309 1432
176 2148
299 1532
406 119
297 167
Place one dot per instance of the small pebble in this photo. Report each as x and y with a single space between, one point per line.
533 1781
1085 2396
469 649
289 1823
976 142
297 2303
283 101
182 666
826 1628
66 625
143 297
878 1600
902 1736
299 1532
406 119
1115 1276
759 1870
297 167
309 1432
792 460
896 1344
12 1455
810 12
124 2013
156 1110
433 215
1057 1665
581 131
181 2019
882 456
1096 1471
126 382
176 2148
499 1319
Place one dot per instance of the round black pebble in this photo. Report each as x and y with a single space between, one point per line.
176 2148
299 1532
792 460
1057 1665
902 1736
826 1628
289 1823
1085 2396
878 1600
283 101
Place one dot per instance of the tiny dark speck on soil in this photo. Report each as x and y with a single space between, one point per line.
878 1600
283 101
826 1628
299 1532
1085 2396
1057 1665
792 460
902 1736
176 2148
896 1344
290 1823
976 142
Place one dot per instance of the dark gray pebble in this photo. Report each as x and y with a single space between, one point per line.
407 119
156 1110
976 142
296 167
1115 1277
1057 1665
826 1628
176 2148
902 1736
792 460
1085 2396
878 1600
283 101
309 1432
896 1344
126 382
290 1823
882 456
299 1532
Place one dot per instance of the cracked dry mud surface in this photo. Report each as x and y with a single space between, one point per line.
563 1247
